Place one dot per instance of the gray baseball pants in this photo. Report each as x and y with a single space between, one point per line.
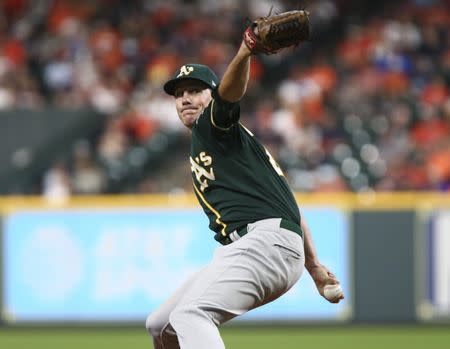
252 271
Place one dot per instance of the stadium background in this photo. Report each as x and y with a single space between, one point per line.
359 119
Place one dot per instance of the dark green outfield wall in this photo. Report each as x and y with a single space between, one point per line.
383 266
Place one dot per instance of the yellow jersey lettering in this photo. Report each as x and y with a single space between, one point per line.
206 159
201 174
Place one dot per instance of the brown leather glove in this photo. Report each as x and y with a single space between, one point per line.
272 33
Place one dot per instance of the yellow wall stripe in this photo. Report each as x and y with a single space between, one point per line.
363 201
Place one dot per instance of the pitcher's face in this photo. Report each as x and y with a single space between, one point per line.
191 98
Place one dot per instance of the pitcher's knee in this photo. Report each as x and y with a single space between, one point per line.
187 315
155 324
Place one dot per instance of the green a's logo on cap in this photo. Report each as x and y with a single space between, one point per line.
185 70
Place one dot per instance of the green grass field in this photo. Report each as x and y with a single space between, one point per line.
349 337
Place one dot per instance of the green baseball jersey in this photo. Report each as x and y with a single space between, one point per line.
236 180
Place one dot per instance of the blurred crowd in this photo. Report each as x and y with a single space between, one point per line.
364 106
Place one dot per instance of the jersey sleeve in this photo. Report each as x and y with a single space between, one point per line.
220 115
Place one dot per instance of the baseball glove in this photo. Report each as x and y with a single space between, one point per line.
272 33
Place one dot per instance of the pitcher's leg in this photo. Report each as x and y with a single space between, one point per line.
157 323
195 328
236 280
212 299
246 274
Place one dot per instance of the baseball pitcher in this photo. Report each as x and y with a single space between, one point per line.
265 243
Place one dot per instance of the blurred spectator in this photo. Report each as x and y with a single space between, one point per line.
56 184
113 143
87 176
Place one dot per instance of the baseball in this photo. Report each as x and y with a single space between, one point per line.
332 292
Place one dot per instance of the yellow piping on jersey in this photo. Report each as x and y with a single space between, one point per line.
212 119
218 221
248 131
